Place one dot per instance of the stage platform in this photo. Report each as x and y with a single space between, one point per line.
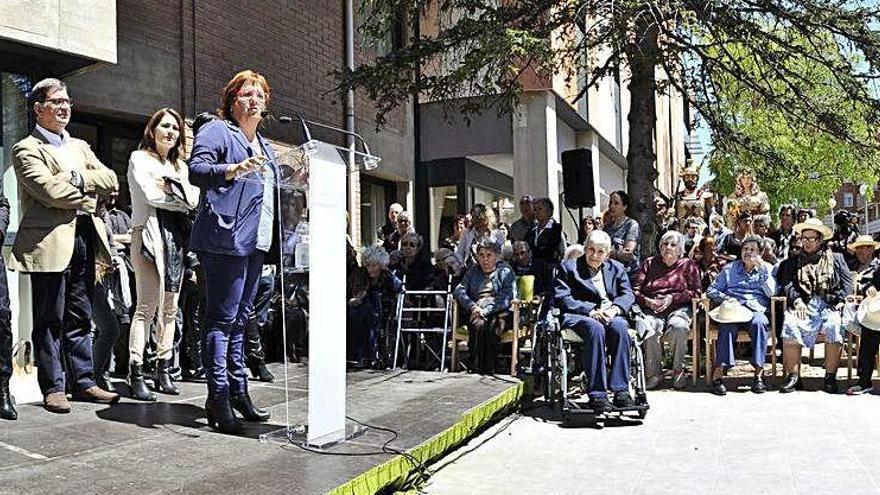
167 447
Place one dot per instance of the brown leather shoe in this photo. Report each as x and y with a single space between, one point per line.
56 402
96 394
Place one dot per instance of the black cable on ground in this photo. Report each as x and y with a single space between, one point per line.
420 467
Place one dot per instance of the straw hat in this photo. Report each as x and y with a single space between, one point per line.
869 313
862 240
731 311
814 224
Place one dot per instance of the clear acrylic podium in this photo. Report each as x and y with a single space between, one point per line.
311 199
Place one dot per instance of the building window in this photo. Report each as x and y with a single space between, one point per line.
443 208
848 200
392 36
376 197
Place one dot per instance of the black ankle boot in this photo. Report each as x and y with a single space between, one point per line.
7 402
245 405
829 384
137 384
220 415
162 379
260 372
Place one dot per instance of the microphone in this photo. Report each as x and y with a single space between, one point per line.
284 119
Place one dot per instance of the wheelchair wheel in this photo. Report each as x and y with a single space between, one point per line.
637 371
637 379
555 372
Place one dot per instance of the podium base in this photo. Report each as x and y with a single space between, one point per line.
299 435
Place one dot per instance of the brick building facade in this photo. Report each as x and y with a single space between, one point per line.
124 59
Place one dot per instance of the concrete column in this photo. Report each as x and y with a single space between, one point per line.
535 154
406 197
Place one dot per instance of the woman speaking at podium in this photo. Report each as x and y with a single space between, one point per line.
232 235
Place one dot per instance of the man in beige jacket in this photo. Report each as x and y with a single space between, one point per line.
59 241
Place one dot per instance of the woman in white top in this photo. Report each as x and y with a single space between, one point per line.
161 197
482 227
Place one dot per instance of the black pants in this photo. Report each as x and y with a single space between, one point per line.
257 320
5 325
868 346
106 326
190 304
62 311
483 344
120 348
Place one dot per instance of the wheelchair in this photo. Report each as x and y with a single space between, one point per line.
556 366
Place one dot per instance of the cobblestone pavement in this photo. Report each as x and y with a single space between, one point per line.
691 442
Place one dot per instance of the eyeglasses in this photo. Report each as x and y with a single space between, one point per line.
810 238
59 102
248 95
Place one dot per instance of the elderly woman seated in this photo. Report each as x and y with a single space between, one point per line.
816 282
485 292
664 287
594 295
413 262
372 292
446 265
749 282
709 263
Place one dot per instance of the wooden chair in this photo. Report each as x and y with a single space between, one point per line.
459 334
852 344
696 306
711 336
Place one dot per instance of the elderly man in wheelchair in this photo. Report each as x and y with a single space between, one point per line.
593 294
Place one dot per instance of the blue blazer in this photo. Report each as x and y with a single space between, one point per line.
229 210
576 295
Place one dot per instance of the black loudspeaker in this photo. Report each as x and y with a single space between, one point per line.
577 178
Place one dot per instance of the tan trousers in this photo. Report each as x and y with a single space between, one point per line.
149 281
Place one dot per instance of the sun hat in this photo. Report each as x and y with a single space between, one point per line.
862 240
731 311
869 313
814 223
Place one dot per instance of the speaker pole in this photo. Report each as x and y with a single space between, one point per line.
576 224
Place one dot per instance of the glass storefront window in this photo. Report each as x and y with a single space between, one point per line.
443 207
503 205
